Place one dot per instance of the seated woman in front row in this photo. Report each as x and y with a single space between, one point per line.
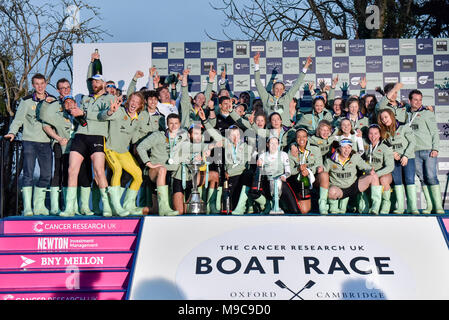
342 167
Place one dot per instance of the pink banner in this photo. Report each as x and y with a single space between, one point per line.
68 296
62 261
446 224
69 226
70 279
69 243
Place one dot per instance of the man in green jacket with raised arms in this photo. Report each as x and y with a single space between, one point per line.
279 100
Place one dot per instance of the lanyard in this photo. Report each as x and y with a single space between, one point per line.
371 151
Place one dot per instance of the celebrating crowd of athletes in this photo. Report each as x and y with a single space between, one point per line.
114 154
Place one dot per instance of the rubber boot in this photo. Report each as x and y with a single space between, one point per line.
107 211
429 206
333 206
437 201
27 195
129 204
70 202
211 207
386 203
241 205
376 199
399 192
343 204
114 196
84 199
96 199
39 202
262 202
322 201
54 201
411 199
363 203
164 203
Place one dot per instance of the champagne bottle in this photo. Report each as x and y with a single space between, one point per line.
97 67
226 199
256 187
81 120
304 184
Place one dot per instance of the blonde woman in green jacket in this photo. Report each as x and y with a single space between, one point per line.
402 140
380 156
124 124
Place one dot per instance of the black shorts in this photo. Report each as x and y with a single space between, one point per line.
177 187
86 145
301 194
351 191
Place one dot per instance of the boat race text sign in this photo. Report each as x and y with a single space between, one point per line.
291 257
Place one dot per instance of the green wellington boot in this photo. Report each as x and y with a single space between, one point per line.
107 211
437 201
211 202
96 199
84 205
399 193
376 199
263 203
386 203
333 206
114 196
363 203
54 201
164 203
129 203
322 201
39 202
412 206
241 205
70 202
343 204
27 195
429 207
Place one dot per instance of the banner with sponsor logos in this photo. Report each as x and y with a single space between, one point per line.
291 257
417 63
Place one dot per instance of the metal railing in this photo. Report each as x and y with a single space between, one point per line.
10 168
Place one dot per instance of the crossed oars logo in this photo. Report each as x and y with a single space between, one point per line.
282 285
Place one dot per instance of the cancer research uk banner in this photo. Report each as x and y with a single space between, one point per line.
287 257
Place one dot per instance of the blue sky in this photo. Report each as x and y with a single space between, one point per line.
160 21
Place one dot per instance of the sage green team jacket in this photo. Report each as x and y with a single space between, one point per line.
161 149
311 157
380 158
399 111
344 176
424 126
235 161
53 114
310 121
278 104
28 118
93 107
122 129
324 145
403 141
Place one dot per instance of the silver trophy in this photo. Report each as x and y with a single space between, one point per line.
276 192
194 204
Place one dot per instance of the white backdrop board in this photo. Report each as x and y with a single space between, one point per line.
275 257
120 61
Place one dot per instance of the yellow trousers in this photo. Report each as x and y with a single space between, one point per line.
123 161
